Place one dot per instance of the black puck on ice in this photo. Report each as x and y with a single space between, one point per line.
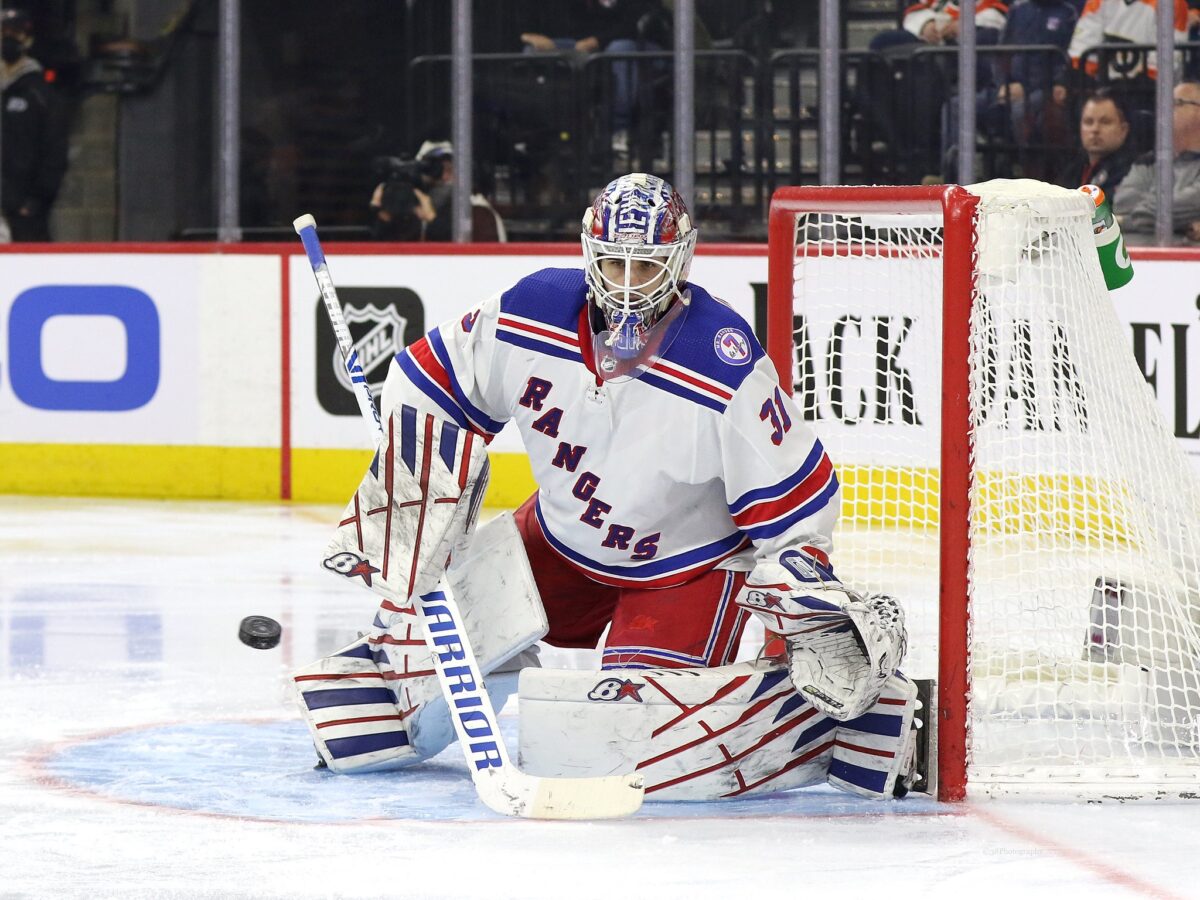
259 632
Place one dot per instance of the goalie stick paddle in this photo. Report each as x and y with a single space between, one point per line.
501 786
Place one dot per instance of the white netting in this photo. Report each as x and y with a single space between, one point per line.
1085 515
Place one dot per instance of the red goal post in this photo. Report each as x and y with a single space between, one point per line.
1005 474
958 210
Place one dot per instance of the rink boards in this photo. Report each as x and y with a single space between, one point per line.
208 371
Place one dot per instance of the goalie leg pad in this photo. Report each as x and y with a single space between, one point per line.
352 714
420 496
874 750
503 617
695 734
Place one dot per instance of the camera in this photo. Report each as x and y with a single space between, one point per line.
411 200
395 212
416 172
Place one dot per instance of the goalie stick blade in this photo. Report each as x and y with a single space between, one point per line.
513 793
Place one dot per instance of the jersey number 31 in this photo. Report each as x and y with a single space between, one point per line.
775 412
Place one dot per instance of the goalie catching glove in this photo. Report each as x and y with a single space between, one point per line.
842 647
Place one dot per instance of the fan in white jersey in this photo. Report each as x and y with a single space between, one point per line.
679 490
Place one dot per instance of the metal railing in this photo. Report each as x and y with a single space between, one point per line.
548 133
746 144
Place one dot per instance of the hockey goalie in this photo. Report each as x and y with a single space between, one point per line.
679 493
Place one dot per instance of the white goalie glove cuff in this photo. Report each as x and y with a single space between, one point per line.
842 647
795 594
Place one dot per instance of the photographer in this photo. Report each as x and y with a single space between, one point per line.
413 202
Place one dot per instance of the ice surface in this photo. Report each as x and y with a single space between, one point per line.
144 752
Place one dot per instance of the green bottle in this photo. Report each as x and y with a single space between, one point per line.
1110 246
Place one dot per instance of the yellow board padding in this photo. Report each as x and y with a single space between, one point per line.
1076 507
327 476
330 476
879 495
1081 508
123 470
1057 506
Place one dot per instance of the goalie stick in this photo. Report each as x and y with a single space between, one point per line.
500 785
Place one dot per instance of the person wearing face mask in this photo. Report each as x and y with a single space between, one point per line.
33 134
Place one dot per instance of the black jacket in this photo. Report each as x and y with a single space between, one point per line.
33 156
1106 174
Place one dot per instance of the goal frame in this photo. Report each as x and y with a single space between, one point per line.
959 210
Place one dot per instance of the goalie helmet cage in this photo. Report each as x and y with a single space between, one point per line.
1005 472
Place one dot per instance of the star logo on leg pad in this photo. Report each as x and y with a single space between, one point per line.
764 600
613 689
351 565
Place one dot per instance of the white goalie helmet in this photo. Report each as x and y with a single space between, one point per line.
638 242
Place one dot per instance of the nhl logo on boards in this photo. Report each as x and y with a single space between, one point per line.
612 689
732 346
382 321
376 343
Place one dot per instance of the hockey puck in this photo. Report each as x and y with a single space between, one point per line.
259 632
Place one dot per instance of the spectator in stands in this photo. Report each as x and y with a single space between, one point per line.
1137 200
413 202
33 155
1025 107
1123 21
936 22
1106 150
614 26
913 122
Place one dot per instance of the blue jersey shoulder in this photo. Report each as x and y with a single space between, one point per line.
551 296
715 341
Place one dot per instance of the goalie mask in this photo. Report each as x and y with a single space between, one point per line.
638 242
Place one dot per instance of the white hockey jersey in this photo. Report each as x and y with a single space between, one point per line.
1123 21
646 482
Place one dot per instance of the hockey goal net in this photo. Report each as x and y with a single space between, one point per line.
1005 473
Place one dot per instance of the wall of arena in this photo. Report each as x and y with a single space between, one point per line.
207 371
